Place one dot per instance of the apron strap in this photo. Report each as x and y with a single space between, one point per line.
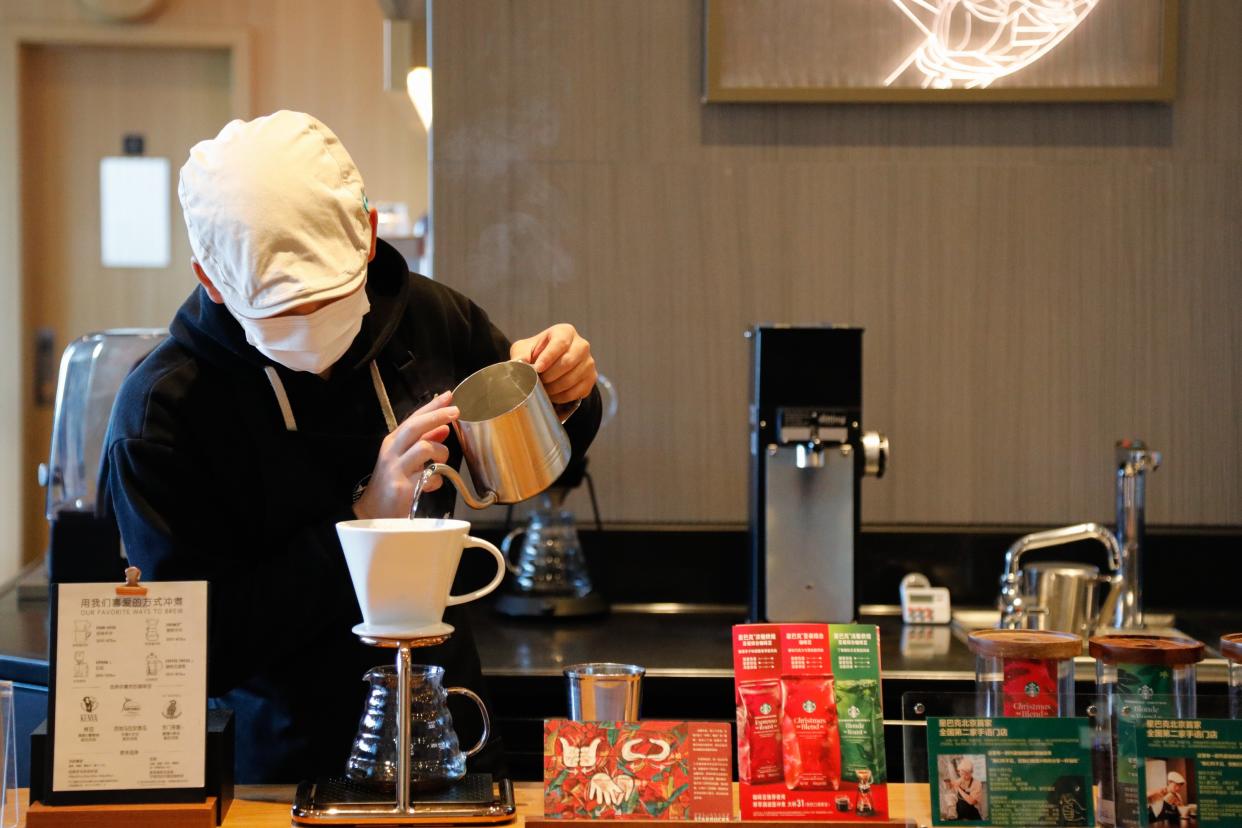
286 410
282 399
381 393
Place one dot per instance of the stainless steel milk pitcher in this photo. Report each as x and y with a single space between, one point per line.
510 433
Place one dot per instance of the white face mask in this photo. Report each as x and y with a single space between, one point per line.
311 343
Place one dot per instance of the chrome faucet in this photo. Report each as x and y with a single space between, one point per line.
1013 604
1124 607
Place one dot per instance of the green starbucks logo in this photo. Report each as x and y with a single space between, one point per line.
1146 692
1031 689
808 706
854 711
765 708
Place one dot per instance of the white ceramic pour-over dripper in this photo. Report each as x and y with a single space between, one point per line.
403 570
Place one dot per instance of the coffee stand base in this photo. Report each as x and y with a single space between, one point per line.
163 815
475 799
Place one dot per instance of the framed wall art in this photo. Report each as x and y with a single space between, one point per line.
939 50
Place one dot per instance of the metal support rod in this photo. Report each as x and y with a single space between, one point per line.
1133 460
403 728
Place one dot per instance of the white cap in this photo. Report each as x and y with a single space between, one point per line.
1174 776
276 213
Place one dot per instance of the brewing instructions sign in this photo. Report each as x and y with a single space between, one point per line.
130 686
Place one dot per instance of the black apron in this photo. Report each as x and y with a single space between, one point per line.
297 719
964 809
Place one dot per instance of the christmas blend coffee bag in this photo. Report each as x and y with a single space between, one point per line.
809 734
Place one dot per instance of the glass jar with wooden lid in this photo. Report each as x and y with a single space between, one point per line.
1026 673
1138 677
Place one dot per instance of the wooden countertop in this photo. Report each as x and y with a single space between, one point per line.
267 806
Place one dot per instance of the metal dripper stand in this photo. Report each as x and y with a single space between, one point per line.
337 801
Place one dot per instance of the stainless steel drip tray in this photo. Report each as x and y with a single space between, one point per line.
476 799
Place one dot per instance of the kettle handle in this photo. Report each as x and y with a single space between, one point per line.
566 410
487 720
504 548
453 477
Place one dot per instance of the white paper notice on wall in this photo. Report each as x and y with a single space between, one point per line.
135 224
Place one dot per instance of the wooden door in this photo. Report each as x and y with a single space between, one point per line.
77 102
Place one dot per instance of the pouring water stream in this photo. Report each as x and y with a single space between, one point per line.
418 487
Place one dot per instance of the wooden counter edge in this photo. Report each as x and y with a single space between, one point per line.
268 806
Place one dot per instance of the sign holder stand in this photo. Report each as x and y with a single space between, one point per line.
153 808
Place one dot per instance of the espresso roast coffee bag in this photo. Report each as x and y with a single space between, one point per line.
810 723
759 729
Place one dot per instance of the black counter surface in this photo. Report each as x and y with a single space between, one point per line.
684 644
688 653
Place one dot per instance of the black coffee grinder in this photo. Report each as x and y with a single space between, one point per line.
808 455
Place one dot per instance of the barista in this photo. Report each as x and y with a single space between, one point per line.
267 417
967 791
1165 804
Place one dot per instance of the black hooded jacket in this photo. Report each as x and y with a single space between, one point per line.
206 481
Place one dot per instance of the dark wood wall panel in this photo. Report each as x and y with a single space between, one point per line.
1035 280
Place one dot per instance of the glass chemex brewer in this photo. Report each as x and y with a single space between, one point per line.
406 765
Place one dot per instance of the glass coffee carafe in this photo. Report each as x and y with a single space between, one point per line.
550 576
436 757
550 561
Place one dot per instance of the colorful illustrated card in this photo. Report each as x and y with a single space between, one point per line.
810 726
637 770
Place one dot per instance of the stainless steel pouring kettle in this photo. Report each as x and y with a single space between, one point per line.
512 436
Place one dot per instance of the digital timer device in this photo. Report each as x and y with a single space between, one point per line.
922 603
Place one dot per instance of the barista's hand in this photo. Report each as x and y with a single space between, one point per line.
419 440
562 358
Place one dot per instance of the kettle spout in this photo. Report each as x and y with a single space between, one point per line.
450 473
